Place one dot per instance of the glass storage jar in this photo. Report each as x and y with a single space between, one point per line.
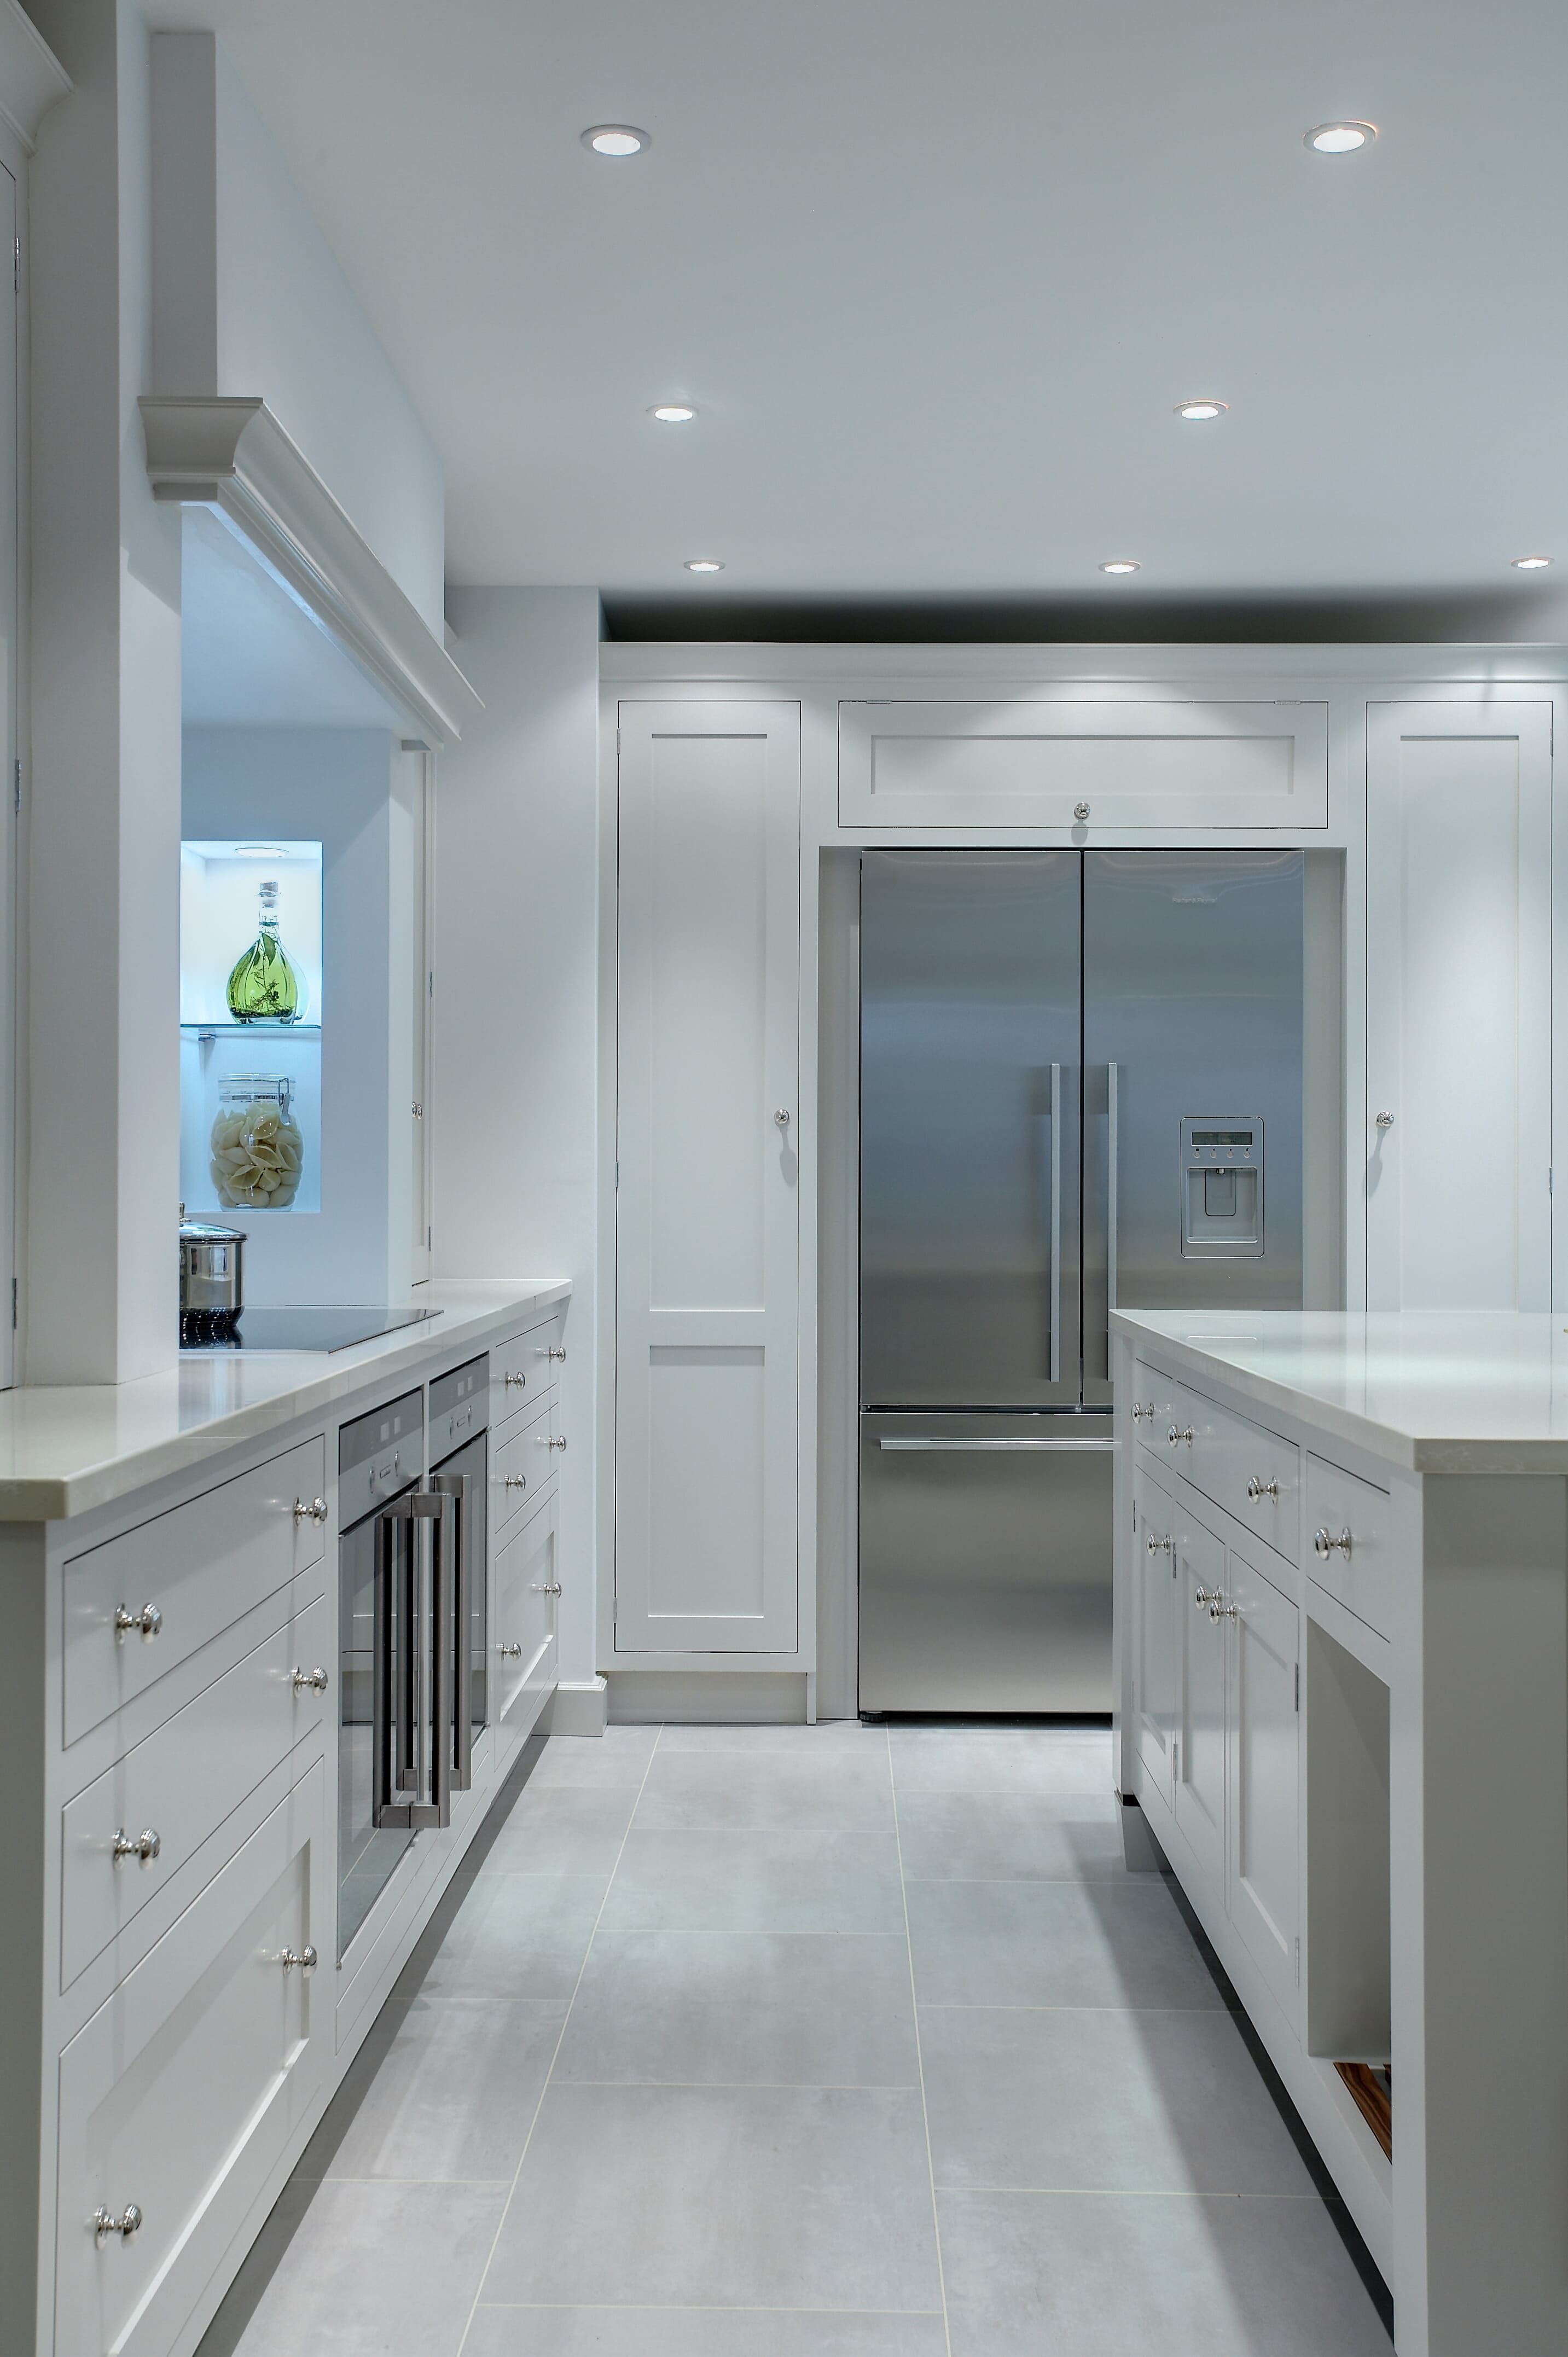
258 1152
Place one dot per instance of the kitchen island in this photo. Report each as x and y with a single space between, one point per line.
277 1625
1342 1661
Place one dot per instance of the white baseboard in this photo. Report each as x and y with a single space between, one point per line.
697 1697
577 1708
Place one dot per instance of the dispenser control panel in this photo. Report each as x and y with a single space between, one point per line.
1221 1188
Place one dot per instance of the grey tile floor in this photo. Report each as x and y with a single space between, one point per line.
805 2042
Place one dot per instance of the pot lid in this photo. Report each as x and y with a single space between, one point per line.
203 1232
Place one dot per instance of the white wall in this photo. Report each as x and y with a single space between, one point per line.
516 1039
251 301
100 1283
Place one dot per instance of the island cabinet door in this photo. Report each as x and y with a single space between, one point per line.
179 2098
709 1143
1200 1761
1156 1590
1263 1636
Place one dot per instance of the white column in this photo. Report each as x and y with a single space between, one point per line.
100 1283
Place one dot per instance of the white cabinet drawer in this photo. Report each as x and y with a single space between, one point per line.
199 1567
1351 1541
1154 1409
527 1581
522 1462
181 2092
1249 1471
523 1370
182 1782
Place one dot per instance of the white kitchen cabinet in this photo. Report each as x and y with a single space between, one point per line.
709 1141
180 2095
527 1588
1200 1762
1158 1670
1263 1797
1459 1005
927 761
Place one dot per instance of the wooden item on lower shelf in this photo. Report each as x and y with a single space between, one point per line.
1372 2092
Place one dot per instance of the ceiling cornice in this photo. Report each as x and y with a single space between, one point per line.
31 76
217 451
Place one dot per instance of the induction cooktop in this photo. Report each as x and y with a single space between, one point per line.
305 1329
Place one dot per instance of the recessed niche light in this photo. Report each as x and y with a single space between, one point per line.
704 565
260 851
673 412
1339 138
1197 410
1120 564
616 139
1531 564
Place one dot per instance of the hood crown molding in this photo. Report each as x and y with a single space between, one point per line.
31 76
217 451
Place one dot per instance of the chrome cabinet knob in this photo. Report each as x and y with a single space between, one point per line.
1141 1415
1207 1597
309 1680
557 1443
547 1588
143 1846
1219 1610
1325 1545
419 1112
1385 1121
783 1118
509 1652
514 1480
306 1958
1081 811
1257 1488
553 1353
316 1511
105 2223
513 1383
1178 1432
1159 1546
146 1623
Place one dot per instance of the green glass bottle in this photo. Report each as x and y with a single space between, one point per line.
263 986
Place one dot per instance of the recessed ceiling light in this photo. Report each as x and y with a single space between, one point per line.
1120 564
1195 409
673 412
704 565
616 139
1531 564
1340 138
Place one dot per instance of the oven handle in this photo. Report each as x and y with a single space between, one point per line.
459 1488
414 1775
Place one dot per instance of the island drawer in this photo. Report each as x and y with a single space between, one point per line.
524 1371
1153 1408
180 1782
1243 1467
522 1462
1351 1541
181 2093
181 1579
527 1586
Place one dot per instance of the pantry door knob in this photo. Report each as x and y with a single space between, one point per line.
1385 1121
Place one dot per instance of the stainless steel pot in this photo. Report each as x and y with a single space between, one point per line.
212 1280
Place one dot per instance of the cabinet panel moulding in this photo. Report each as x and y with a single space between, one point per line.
231 455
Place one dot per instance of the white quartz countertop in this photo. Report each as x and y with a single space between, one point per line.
1431 1390
66 1449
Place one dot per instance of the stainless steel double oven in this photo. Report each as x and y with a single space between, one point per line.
412 1671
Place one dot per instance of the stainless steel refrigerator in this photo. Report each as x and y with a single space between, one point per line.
1080 1078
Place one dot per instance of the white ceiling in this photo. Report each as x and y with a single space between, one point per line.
936 273
250 655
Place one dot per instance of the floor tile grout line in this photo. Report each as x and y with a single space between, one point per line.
555 2055
921 2059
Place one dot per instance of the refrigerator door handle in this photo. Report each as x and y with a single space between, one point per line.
1054 1240
951 1448
1111 1071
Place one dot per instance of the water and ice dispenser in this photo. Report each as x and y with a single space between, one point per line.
1222 1189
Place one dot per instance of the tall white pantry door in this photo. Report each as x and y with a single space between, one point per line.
708 1141
1459 1006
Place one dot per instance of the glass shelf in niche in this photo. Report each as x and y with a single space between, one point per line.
250 926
